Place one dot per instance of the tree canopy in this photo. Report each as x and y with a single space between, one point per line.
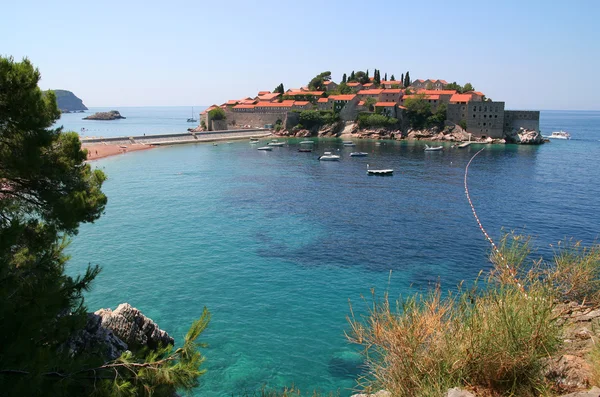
217 114
279 89
316 83
46 191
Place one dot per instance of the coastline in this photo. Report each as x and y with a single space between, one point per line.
98 151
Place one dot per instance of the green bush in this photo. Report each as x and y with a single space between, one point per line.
217 114
463 124
366 120
317 118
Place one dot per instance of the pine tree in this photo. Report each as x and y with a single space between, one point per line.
344 78
385 77
47 191
407 82
352 76
392 78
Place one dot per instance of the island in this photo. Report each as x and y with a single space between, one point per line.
378 107
112 115
68 102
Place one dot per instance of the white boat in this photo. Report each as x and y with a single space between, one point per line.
433 148
379 172
253 139
253 142
276 143
560 135
192 119
269 148
349 143
307 143
359 154
328 156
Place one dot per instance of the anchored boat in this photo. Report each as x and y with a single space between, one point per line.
433 148
359 154
379 172
328 156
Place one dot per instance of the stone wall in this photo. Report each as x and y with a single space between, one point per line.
485 119
515 119
254 119
218 125
350 111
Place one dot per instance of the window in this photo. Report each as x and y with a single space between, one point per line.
484 124
474 116
496 116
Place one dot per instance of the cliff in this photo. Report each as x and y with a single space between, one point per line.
68 102
112 115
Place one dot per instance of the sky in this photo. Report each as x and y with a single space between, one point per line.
530 54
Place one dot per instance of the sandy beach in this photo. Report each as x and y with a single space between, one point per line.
100 150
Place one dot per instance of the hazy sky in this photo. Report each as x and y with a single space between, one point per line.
531 54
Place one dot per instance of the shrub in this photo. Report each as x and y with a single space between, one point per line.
366 120
217 114
463 124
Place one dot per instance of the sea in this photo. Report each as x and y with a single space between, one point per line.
283 248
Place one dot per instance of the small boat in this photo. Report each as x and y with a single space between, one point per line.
192 119
307 143
377 143
327 156
433 148
379 172
359 154
276 143
253 142
215 144
560 135
349 143
269 148
253 139
305 150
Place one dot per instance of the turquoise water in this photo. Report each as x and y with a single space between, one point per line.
276 243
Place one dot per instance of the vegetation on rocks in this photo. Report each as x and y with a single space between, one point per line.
420 114
373 120
494 337
68 102
217 114
46 191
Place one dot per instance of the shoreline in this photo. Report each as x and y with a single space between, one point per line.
97 151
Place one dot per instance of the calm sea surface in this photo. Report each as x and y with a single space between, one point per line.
276 243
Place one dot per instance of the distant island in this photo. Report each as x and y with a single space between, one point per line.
68 102
112 115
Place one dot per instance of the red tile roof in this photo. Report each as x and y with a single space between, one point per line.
368 85
385 104
327 82
460 98
313 93
323 100
249 101
268 97
301 103
392 82
436 92
361 103
420 80
263 92
232 102
433 97
370 92
244 107
475 93
347 97
392 91
284 104
353 84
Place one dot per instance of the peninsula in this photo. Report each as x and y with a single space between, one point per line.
112 115
67 102
376 107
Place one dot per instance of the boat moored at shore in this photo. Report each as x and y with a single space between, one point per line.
559 135
328 156
433 148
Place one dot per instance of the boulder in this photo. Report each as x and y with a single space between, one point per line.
380 393
95 338
593 392
569 372
458 392
112 115
524 136
132 327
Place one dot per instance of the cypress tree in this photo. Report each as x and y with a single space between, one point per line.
402 79
385 77
392 78
407 82
352 76
344 78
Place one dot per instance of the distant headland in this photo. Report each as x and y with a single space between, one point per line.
112 115
378 108
68 102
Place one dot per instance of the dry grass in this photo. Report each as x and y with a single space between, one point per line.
493 337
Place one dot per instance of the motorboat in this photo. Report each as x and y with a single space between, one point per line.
328 156
276 143
560 135
359 154
349 143
307 143
269 148
306 150
433 148
388 171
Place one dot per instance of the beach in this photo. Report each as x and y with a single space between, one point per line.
100 150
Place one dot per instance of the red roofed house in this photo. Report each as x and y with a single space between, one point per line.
391 84
302 105
341 101
324 104
364 94
355 86
243 108
390 95
460 98
263 92
433 100
445 95
270 97
305 95
386 108
429 84
368 86
330 85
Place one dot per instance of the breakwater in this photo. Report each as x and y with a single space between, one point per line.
180 138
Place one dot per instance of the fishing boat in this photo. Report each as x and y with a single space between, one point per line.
192 119
269 148
328 156
359 154
560 135
433 148
379 172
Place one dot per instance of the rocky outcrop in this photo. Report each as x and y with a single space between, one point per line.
132 327
524 137
448 133
112 115
67 102
96 339
380 393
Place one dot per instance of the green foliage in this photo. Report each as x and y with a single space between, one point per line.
370 120
438 118
468 87
279 89
454 86
407 81
463 124
217 114
362 77
495 336
418 111
341 89
392 78
370 103
385 77
377 77
352 78
203 124
402 80
312 119
344 78
316 84
46 191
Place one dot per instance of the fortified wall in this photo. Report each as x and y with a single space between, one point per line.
515 119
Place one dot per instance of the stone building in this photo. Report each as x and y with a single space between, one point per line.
324 104
390 95
330 85
364 94
386 108
483 118
515 119
429 84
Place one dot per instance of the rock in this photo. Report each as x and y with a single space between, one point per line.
593 392
96 339
569 372
524 136
380 393
458 392
589 316
135 329
112 115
